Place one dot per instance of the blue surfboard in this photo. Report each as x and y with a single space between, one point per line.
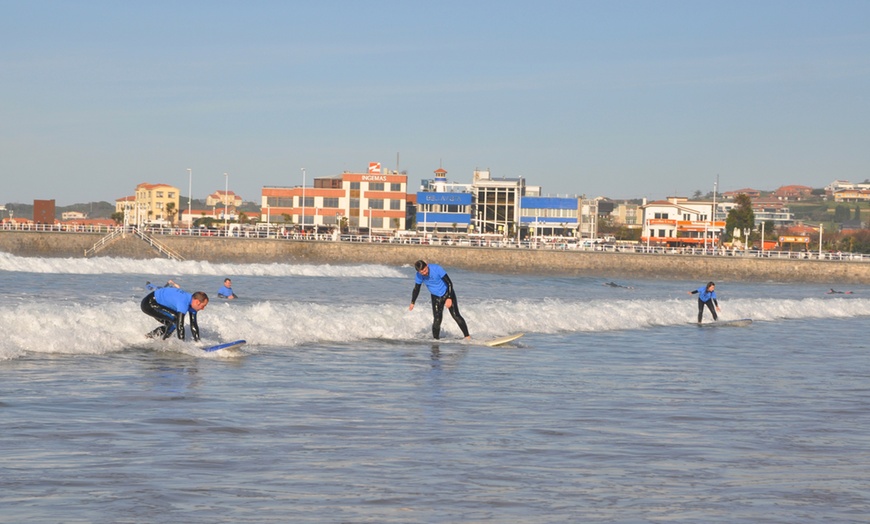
227 345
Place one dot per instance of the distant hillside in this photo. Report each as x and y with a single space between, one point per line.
105 209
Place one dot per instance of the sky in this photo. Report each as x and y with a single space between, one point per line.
621 99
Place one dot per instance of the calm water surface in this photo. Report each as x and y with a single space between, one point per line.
612 408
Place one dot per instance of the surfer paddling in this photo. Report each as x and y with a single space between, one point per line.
169 305
443 295
707 297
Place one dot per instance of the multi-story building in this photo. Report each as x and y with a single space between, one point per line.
680 222
222 198
497 203
550 216
444 206
152 203
373 200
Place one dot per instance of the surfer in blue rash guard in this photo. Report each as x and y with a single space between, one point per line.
226 291
443 295
707 297
169 305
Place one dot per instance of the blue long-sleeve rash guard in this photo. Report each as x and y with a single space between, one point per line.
434 280
705 296
175 299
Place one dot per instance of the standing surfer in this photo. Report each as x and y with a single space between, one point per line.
707 297
443 295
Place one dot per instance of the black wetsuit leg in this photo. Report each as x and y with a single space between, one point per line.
454 312
166 317
437 314
709 305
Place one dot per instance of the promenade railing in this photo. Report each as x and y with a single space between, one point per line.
446 240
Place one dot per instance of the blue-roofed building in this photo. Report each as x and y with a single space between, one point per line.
444 207
550 216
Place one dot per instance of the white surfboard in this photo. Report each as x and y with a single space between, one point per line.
742 322
502 340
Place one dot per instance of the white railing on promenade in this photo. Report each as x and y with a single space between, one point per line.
434 240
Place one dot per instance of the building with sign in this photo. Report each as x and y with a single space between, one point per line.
373 200
444 206
677 222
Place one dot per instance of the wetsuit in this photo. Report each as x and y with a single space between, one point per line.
226 292
706 298
169 305
441 288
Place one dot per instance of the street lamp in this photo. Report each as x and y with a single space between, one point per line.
303 203
226 201
189 199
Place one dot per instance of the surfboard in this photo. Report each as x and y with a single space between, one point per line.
741 322
227 345
502 340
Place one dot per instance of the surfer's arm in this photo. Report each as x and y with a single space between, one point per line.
449 284
194 327
414 295
449 293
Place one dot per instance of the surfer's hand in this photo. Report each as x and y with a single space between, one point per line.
448 303
411 308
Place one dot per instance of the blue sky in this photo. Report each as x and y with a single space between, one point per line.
624 99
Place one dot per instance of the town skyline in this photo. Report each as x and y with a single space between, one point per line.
411 190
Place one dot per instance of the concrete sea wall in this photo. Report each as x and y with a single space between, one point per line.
496 260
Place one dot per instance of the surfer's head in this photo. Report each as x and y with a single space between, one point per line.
710 285
198 301
419 265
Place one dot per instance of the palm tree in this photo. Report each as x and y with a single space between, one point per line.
170 212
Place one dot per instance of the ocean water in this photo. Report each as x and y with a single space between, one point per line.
614 406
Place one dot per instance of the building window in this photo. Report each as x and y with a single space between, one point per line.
395 205
354 185
376 203
330 202
376 186
395 187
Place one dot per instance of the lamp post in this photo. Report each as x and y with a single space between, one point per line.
303 203
226 200
189 200
821 232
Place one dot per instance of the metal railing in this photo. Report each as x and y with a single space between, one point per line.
103 242
430 239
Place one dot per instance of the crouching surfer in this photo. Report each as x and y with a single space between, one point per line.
169 305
